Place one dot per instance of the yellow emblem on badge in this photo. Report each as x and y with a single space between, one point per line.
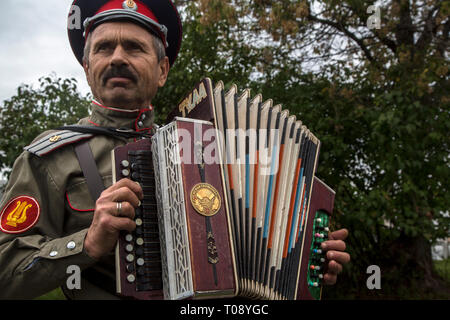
205 199
55 138
19 214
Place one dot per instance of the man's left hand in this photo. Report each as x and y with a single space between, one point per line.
336 257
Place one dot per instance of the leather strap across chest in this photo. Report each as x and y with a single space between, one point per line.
90 171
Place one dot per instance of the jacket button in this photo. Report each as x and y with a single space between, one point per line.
53 253
71 245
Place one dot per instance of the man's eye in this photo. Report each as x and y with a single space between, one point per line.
103 47
134 47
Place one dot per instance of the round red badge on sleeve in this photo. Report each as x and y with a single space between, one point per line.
19 215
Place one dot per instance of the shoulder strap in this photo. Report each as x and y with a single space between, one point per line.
107 131
89 167
55 140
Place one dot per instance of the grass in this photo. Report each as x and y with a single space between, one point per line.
56 294
443 268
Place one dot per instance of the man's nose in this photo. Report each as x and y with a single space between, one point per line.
119 57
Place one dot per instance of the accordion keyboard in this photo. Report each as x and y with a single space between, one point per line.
317 257
147 250
139 258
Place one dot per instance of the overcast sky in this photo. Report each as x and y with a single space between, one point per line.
34 43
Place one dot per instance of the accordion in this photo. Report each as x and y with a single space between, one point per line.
231 203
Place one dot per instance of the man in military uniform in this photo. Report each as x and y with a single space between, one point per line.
52 215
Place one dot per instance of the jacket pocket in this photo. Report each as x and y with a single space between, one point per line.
78 197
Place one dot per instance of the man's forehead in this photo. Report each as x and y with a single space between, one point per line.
120 31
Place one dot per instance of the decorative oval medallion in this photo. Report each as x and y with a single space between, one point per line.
205 199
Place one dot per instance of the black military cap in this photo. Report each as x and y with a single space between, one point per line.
160 17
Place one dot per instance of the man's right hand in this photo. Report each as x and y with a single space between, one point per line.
114 212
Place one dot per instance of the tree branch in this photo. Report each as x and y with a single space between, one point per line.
404 30
429 29
386 41
341 28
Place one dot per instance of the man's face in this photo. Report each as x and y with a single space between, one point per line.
123 69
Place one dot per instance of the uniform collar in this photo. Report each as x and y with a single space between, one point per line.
138 120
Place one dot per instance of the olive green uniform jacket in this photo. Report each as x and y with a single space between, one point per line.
35 255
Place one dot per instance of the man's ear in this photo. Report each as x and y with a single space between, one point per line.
164 67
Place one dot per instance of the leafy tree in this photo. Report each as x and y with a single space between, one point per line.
31 111
375 94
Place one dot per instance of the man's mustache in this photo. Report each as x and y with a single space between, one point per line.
119 72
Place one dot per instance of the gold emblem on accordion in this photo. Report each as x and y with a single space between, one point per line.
205 199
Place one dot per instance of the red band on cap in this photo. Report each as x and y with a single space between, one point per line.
123 5
118 4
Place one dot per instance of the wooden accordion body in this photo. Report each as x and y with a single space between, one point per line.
231 204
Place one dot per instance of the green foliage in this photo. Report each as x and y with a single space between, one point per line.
376 98
208 49
31 111
443 268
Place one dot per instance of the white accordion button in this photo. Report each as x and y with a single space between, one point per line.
140 262
131 278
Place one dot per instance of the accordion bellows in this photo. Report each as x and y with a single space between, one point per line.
231 204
